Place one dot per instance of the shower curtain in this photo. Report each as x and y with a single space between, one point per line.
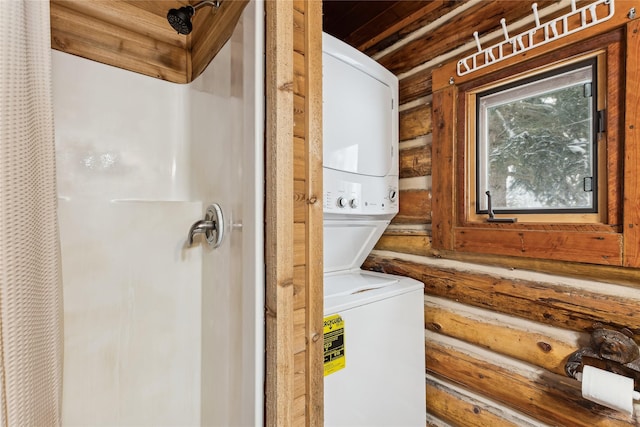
30 284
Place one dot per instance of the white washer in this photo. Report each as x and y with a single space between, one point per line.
375 354
382 383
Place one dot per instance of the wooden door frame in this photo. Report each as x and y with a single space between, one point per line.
293 213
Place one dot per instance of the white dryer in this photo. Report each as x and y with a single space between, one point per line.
374 327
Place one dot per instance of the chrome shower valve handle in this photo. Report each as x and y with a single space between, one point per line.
212 226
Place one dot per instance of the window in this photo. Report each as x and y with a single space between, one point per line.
550 136
536 143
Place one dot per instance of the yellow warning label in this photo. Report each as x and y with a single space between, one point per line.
334 355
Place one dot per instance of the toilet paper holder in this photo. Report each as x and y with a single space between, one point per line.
609 350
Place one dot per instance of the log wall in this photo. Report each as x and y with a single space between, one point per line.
498 329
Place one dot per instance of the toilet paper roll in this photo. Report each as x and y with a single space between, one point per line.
608 389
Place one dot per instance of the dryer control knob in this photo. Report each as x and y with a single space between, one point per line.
393 195
353 203
342 202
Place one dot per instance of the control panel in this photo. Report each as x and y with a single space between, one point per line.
352 194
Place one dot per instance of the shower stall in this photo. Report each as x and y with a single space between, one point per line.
157 331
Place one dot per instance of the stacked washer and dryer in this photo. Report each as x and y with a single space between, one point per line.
374 327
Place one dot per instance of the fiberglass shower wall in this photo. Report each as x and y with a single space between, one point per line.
158 333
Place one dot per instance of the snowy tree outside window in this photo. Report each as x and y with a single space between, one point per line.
536 143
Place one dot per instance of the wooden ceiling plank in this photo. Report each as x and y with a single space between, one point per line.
347 16
383 20
126 15
375 36
74 33
157 7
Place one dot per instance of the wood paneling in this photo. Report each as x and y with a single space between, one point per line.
279 229
314 404
294 388
299 117
147 19
135 35
211 30
89 37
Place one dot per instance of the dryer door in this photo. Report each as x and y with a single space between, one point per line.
357 119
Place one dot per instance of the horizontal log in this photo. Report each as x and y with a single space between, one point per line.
441 75
602 273
414 207
456 32
449 403
415 122
432 421
415 86
563 303
438 9
548 397
419 244
526 341
415 161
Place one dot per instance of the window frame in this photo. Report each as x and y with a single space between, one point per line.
601 242
592 216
